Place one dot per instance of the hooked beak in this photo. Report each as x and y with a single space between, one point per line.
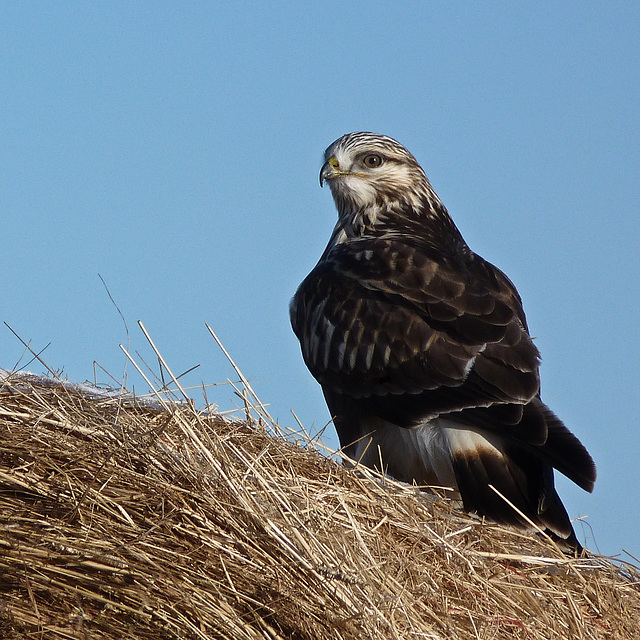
330 169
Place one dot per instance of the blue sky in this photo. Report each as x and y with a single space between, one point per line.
174 148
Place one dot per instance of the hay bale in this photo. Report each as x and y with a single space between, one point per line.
125 519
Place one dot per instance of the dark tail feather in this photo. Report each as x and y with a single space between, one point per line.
566 453
523 488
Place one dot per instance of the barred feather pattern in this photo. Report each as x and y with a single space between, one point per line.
422 347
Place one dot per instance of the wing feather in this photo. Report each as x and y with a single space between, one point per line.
380 318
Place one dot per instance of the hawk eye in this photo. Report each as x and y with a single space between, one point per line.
373 160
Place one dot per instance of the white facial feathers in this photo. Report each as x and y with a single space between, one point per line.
369 174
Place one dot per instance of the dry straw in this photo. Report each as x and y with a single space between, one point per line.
125 518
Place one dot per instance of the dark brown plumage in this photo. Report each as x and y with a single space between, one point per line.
422 347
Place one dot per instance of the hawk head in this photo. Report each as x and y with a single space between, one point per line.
378 185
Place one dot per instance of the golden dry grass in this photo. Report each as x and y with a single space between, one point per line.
121 519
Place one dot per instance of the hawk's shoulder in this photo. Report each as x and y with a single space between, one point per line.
381 316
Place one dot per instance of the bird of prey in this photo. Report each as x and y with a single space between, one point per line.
422 348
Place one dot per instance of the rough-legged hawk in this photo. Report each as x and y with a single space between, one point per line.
422 347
